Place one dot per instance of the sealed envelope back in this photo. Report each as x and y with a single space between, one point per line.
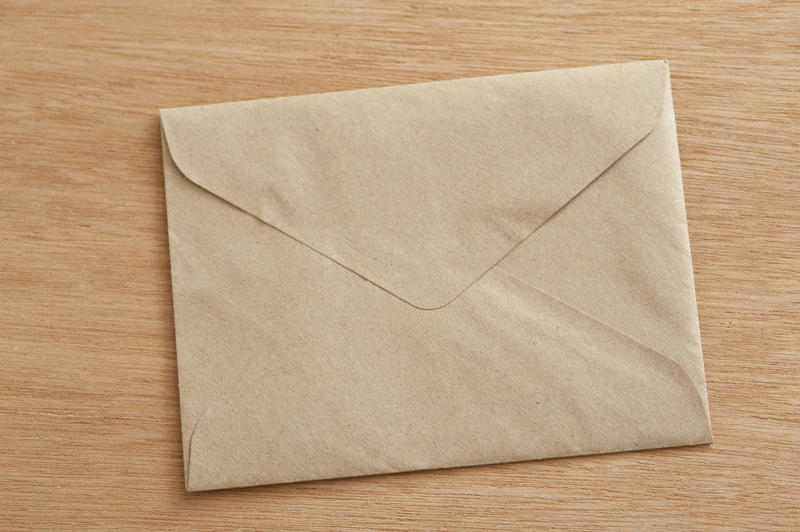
433 275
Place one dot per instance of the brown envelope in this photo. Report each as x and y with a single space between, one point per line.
434 275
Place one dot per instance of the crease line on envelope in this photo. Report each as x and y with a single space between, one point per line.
615 330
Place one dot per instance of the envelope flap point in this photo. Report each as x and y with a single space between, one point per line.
421 188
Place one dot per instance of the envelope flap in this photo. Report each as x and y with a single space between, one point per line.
421 188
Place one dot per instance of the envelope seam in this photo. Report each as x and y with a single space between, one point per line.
696 385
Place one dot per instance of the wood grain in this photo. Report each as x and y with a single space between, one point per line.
89 428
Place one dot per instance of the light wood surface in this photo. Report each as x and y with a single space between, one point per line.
89 427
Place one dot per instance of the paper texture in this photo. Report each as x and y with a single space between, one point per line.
433 275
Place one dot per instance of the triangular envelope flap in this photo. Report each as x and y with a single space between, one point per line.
419 188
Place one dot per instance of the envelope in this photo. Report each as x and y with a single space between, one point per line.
432 275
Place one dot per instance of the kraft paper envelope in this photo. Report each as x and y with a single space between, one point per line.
433 275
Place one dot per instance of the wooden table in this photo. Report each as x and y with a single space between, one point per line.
89 428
